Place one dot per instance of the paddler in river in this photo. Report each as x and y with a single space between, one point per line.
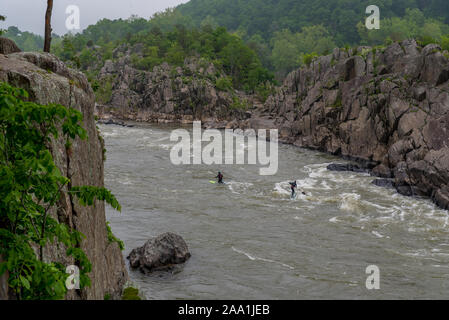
220 178
293 186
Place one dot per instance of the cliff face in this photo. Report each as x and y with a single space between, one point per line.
388 108
48 80
167 93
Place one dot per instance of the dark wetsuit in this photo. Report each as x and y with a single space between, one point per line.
220 178
293 185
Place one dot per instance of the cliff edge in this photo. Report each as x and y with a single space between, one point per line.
48 80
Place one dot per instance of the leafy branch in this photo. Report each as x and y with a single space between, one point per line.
30 187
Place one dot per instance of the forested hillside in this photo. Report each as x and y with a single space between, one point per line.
145 45
26 41
283 33
265 17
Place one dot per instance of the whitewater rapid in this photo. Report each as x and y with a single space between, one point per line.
250 240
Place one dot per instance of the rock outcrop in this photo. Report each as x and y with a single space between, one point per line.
167 93
48 80
387 108
160 253
8 46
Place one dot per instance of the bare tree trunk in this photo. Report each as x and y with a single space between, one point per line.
48 29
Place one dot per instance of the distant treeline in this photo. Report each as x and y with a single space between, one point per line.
284 34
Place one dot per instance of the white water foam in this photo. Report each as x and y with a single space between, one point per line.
350 202
254 258
239 187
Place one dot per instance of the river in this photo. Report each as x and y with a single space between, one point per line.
250 240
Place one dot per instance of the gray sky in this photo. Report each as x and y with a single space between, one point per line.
28 15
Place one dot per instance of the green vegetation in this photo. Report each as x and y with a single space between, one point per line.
131 293
282 31
112 238
264 90
223 83
26 41
238 103
308 58
103 91
2 18
277 36
265 18
30 188
414 24
291 50
151 47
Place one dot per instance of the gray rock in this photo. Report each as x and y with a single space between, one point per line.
8 46
49 80
385 183
160 253
388 107
345 167
382 171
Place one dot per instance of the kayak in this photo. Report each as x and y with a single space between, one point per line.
215 182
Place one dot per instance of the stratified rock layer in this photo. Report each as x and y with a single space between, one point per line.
48 80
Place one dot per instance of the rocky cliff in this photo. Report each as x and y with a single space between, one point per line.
167 93
48 80
386 107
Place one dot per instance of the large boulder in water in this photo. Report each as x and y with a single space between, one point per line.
160 253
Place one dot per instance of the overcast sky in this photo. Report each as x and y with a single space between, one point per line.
28 15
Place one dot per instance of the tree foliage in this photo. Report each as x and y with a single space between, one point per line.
413 25
2 18
282 31
226 51
279 32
